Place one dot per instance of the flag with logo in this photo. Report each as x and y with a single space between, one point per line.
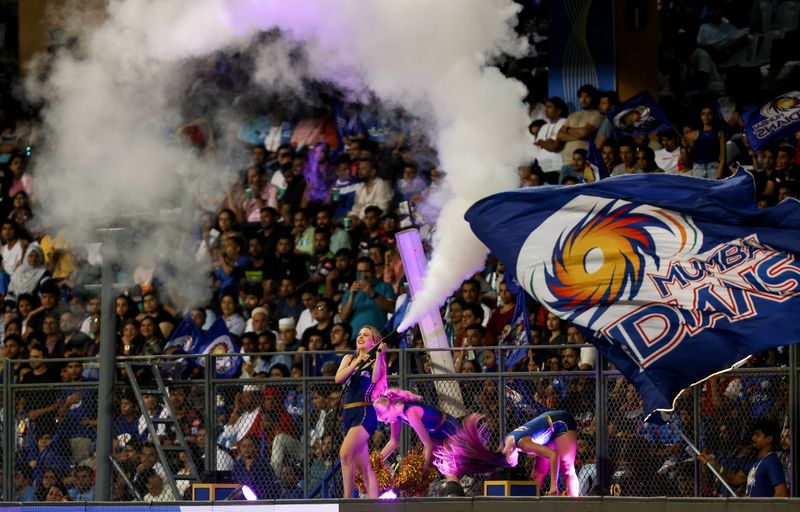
218 342
519 335
640 115
184 337
594 169
776 120
675 279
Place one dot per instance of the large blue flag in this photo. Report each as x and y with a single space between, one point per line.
184 337
218 342
774 121
674 278
640 115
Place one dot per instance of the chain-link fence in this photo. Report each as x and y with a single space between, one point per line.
280 432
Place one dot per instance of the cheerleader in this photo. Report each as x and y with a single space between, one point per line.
432 426
550 437
360 420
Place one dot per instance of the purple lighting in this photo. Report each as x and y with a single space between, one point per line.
388 495
248 493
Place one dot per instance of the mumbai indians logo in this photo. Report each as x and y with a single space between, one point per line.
636 118
778 113
603 257
220 346
781 104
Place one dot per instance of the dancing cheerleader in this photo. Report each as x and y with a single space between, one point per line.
360 422
550 437
432 426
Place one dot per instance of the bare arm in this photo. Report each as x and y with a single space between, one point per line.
347 367
415 420
394 440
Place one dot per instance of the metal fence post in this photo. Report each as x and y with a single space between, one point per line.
9 433
306 425
501 396
794 422
697 419
601 422
210 447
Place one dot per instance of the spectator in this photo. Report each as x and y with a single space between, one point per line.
13 247
323 314
128 420
609 154
84 485
646 160
764 476
322 263
587 354
31 274
287 335
254 471
411 184
229 307
580 126
286 264
258 194
258 321
367 301
56 493
627 153
303 234
256 270
23 491
342 276
548 150
668 156
230 265
708 145
373 192
607 101
471 294
289 304
156 490
339 238
343 192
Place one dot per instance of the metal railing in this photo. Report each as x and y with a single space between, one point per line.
282 434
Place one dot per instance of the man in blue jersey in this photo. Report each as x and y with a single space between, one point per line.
764 476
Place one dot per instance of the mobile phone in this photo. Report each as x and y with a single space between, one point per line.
360 276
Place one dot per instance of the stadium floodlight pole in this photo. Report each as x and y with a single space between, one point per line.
409 245
670 419
105 393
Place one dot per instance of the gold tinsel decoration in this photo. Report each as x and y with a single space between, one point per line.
381 470
408 479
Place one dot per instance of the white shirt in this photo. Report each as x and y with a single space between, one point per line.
548 160
304 322
380 196
11 256
668 161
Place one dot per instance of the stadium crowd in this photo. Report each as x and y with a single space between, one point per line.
300 254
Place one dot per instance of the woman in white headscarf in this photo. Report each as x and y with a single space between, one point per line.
28 276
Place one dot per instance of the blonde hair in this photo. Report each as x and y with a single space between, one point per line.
395 395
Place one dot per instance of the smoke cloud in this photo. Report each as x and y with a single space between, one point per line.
108 110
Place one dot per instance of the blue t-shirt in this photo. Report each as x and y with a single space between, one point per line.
365 310
763 475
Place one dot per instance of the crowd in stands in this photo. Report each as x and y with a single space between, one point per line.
300 254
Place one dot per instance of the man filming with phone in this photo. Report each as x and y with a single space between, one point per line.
367 301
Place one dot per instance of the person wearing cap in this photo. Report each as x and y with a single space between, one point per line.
258 321
287 339
362 382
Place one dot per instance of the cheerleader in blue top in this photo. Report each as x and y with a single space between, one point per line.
550 437
432 426
360 421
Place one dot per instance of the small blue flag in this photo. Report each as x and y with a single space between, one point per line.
774 121
595 168
640 115
184 337
217 341
675 279
519 335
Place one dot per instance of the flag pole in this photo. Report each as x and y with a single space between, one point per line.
669 419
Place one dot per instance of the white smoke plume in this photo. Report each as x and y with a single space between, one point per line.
108 110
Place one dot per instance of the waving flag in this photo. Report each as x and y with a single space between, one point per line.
639 115
519 335
675 279
595 169
218 341
776 120
184 337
